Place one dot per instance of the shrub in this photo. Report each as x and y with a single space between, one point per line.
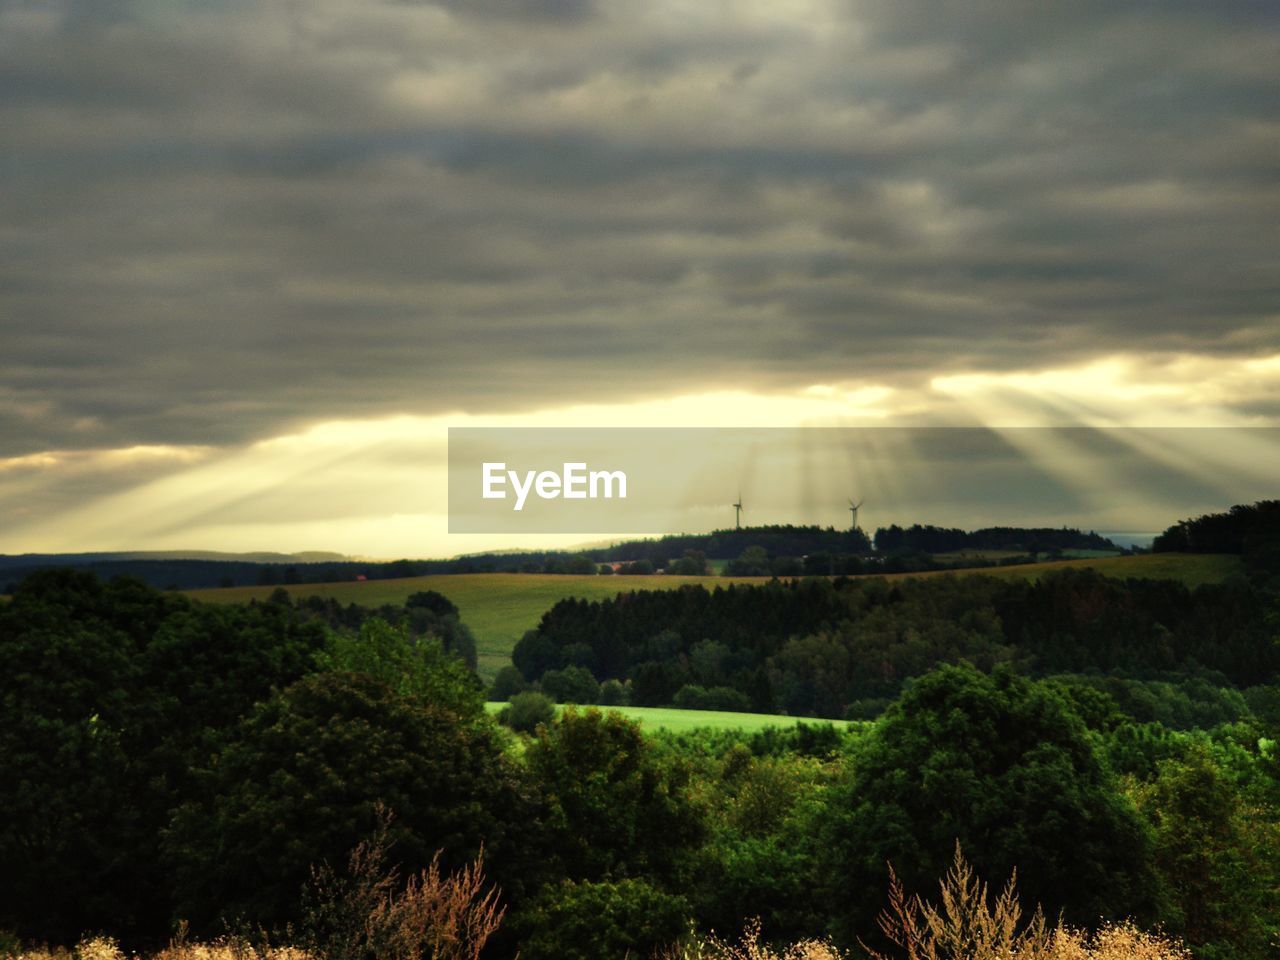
434 601
613 693
507 684
528 710
694 697
573 684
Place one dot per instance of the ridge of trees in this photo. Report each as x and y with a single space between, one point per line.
1250 530
831 550
823 648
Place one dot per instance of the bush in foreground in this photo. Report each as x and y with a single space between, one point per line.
965 925
368 913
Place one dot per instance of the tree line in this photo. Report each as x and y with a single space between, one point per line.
788 551
1250 530
825 648
931 539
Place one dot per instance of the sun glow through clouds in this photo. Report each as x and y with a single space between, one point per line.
377 486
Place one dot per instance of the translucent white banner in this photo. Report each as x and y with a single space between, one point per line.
663 480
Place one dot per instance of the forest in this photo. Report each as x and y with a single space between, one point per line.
822 648
172 768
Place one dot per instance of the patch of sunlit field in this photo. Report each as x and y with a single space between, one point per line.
1192 569
959 557
498 607
652 719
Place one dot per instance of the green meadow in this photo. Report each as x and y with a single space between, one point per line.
500 607
682 721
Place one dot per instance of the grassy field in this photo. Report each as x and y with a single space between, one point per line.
500 607
1193 569
679 721
959 557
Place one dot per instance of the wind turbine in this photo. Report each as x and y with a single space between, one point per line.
853 509
737 513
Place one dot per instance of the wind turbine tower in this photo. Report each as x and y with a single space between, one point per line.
737 513
853 509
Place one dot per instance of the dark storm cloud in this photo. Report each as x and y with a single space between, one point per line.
221 220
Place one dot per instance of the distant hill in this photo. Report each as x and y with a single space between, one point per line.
189 569
9 561
194 569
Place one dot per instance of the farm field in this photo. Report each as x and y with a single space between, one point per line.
1193 569
680 721
500 607
960 556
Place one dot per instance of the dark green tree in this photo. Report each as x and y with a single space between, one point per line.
433 601
304 779
1001 764
752 562
614 808
692 564
571 685
614 694
527 710
1219 862
111 694
416 667
507 684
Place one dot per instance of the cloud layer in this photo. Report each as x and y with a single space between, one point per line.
222 221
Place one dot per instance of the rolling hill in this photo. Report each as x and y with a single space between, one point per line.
500 607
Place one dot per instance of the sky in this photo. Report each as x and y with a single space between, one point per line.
257 257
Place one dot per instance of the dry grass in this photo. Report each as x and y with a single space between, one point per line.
106 948
967 925
438 916
749 947
370 913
